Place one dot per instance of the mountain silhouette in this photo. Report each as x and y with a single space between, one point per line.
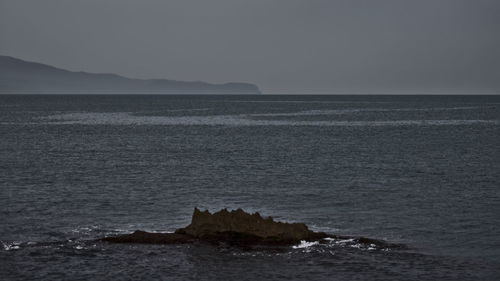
17 75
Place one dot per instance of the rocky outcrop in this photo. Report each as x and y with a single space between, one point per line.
240 229
231 227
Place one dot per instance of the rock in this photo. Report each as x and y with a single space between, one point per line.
240 229
230 227
240 226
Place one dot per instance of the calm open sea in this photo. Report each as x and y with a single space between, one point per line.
419 170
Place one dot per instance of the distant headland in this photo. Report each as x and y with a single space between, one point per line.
17 75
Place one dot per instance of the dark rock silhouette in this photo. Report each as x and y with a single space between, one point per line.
235 228
243 227
231 227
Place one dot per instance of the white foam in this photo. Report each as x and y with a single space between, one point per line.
188 109
11 246
308 113
127 118
345 241
305 244
351 243
358 110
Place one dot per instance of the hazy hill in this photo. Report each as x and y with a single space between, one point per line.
17 76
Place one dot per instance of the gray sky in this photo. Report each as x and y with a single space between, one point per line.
284 46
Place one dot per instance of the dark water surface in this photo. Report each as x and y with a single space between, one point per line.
422 171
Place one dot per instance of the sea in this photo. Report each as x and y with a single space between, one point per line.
420 171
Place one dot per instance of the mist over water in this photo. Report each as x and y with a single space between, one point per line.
421 171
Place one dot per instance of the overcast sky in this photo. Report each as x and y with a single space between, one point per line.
283 46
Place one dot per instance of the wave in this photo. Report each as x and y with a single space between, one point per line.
358 110
81 243
188 109
305 244
11 246
128 118
303 101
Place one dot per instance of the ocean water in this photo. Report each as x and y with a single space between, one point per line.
423 171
